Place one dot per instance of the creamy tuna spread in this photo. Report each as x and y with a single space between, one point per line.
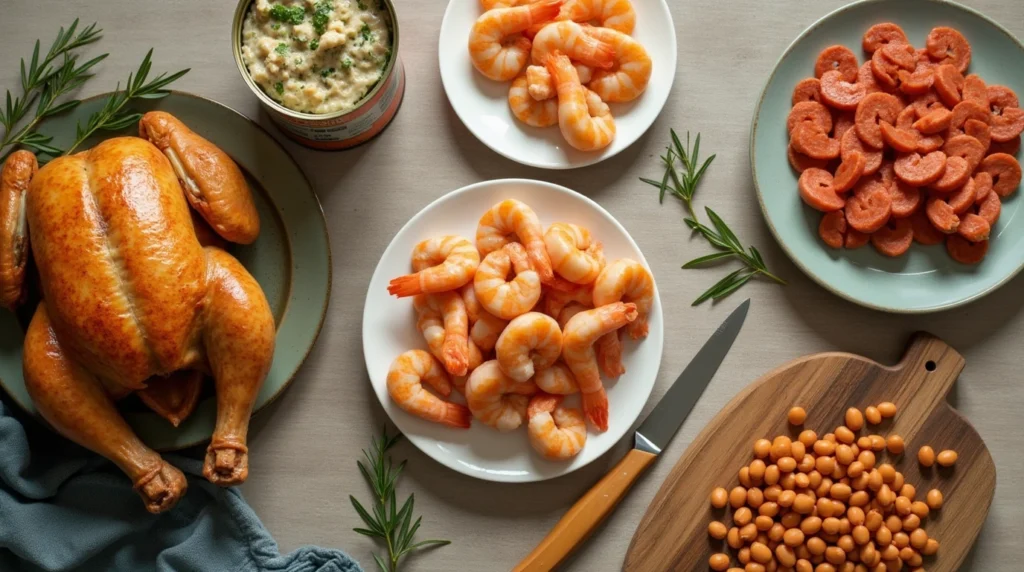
317 56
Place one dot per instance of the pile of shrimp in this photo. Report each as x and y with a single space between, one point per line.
566 59
515 323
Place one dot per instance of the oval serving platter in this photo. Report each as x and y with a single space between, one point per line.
926 279
389 328
291 259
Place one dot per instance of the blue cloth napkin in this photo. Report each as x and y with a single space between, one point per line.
65 508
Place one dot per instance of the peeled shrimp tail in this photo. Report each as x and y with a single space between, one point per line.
595 405
609 355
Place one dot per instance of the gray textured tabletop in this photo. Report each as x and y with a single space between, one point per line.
305 446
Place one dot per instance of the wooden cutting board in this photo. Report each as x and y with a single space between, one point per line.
673 533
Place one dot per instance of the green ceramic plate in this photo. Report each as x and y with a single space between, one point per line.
926 279
291 259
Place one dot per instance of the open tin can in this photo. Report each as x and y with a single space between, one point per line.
340 129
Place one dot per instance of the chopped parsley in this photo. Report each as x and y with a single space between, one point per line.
293 15
321 15
365 33
346 64
299 39
279 88
298 61
275 26
327 72
314 44
281 48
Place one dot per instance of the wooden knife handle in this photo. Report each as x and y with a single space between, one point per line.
586 514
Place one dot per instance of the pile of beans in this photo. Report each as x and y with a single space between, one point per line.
828 504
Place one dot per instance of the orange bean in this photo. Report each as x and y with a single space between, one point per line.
947 458
719 561
895 444
719 497
717 530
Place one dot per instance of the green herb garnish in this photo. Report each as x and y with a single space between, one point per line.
346 64
275 26
298 61
113 116
279 88
683 183
321 15
293 15
327 72
365 33
314 44
46 83
393 525
281 49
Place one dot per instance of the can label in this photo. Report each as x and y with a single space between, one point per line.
355 127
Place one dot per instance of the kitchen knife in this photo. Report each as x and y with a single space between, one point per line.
650 439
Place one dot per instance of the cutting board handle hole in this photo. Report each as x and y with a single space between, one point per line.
930 365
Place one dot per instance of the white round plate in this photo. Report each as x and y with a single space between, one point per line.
389 328
482 104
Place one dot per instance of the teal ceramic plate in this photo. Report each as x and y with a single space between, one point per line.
926 279
291 259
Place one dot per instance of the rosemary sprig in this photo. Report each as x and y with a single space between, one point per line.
683 184
44 84
391 524
113 116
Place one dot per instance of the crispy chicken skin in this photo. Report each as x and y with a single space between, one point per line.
213 184
17 171
133 302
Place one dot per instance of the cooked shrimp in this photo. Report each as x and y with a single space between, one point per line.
527 109
496 399
608 350
556 432
629 281
557 380
556 300
585 121
497 47
542 86
632 70
476 357
578 339
406 377
615 14
500 297
445 326
571 39
510 219
568 312
531 342
443 263
574 254
492 4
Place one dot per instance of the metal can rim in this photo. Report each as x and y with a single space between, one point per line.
236 47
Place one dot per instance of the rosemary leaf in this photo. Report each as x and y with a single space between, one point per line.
394 525
684 183
709 258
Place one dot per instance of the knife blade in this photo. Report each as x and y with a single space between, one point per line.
667 416
651 437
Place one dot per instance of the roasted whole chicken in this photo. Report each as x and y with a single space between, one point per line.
132 301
